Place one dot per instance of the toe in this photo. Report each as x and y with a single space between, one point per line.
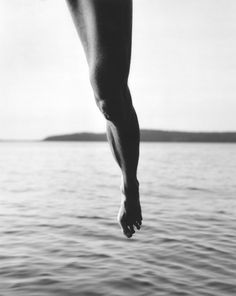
131 227
126 231
127 234
137 225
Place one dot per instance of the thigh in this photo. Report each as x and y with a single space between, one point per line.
105 29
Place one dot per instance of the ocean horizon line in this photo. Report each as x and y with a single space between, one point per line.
146 135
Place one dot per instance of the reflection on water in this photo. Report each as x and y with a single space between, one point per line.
59 236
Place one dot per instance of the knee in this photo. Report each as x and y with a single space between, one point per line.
112 110
111 92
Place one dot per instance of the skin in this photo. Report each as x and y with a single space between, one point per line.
105 30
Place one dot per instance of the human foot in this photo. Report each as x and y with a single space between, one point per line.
130 215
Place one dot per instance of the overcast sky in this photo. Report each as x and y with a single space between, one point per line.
182 76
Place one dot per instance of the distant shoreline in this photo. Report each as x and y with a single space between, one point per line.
148 135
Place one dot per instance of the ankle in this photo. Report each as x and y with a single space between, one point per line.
130 189
131 182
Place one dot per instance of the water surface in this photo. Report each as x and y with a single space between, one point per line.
59 236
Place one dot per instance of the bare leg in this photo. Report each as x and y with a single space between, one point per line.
105 28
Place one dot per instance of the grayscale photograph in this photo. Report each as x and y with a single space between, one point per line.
117 147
